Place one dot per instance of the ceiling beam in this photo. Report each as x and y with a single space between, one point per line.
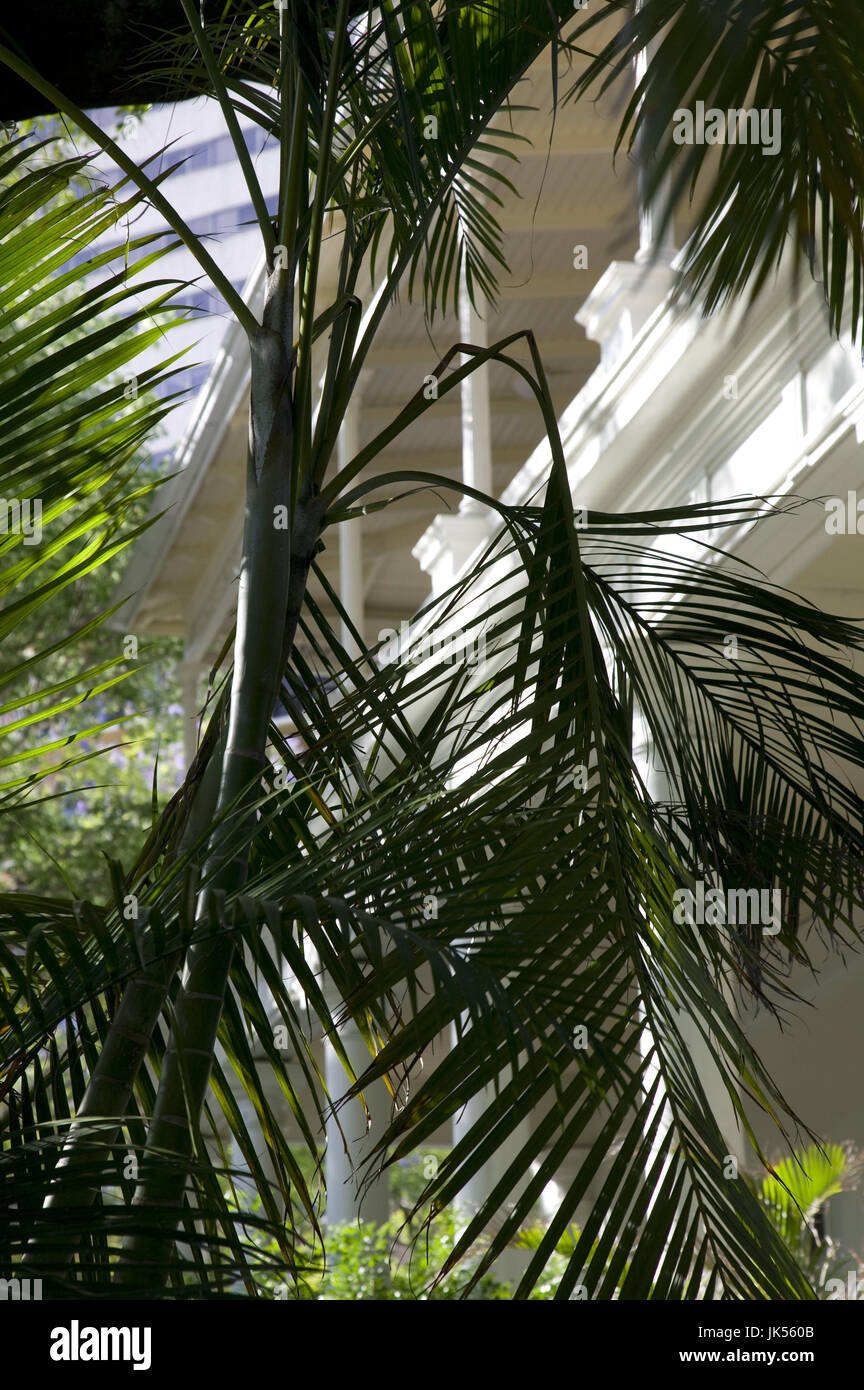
523 218
597 140
420 352
447 461
545 287
382 413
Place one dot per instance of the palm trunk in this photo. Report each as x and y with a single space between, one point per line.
273 581
98 1119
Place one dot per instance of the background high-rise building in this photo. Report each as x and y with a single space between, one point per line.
209 193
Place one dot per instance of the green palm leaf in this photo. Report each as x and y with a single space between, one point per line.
800 61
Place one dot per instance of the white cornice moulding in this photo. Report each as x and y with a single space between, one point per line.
621 303
447 544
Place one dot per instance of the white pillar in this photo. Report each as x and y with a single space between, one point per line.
476 415
188 673
343 1202
511 1264
661 787
651 246
351 586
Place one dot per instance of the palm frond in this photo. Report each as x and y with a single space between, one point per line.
72 330
797 63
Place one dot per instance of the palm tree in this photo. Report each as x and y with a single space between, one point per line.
795 1194
508 796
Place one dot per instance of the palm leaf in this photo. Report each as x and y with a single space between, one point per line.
799 61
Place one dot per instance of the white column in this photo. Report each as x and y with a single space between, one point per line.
188 673
476 415
351 587
661 787
651 246
343 1202
511 1264
452 538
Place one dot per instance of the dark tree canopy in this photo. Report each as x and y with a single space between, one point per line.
97 51
90 49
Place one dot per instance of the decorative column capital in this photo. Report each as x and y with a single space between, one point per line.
621 303
448 543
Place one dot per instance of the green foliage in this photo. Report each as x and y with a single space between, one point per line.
400 1260
411 780
364 1261
59 822
57 835
794 1196
410 1175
